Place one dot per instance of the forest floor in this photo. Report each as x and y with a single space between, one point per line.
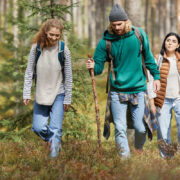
28 158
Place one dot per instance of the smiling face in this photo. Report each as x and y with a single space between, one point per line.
171 44
53 35
118 27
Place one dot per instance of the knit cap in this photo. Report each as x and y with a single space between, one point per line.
117 14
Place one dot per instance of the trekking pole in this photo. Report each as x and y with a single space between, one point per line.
96 106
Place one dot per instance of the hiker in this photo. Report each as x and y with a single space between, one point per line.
168 98
127 79
50 61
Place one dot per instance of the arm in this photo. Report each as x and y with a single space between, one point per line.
150 88
68 78
151 93
148 57
100 57
28 76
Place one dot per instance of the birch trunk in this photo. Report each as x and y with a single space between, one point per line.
173 15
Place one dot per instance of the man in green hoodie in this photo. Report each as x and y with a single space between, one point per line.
129 85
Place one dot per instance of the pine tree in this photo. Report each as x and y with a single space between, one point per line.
13 68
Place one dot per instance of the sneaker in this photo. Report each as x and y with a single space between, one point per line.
55 149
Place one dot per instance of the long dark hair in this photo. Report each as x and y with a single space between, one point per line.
163 49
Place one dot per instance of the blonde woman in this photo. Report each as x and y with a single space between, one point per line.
53 83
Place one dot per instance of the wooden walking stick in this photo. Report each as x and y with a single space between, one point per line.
96 107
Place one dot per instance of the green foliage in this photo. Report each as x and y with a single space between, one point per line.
77 123
15 117
46 8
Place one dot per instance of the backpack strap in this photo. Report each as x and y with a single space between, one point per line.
110 66
138 35
37 54
61 53
60 57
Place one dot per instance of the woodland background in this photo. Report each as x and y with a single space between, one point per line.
22 154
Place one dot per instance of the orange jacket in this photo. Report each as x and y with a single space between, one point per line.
164 71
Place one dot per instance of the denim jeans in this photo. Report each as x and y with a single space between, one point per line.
119 110
51 131
164 120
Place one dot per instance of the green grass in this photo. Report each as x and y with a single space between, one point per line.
27 157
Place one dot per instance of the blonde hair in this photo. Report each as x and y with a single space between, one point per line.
41 37
128 27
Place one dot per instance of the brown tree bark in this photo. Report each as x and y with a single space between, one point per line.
146 16
134 11
98 20
91 25
96 108
0 20
5 16
173 14
162 20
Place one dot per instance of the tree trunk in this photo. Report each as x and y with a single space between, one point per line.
5 16
91 25
168 16
173 15
74 15
0 20
15 26
86 21
79 20
162 11
117 2
146 16
178 15
152 29
134 11
98 21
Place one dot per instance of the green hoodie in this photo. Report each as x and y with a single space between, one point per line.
129 75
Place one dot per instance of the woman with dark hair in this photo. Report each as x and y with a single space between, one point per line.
53 83
168 98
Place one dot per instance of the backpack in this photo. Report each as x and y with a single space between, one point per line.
60 57
110 58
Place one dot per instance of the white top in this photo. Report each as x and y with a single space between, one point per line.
173 80
65 86
49 76
150 91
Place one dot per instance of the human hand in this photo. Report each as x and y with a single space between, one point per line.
90 64
156 85
66 107
26 101
153 108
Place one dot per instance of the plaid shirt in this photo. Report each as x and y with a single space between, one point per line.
149 118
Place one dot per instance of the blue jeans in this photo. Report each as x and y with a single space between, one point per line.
51 131
119 110
164 120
